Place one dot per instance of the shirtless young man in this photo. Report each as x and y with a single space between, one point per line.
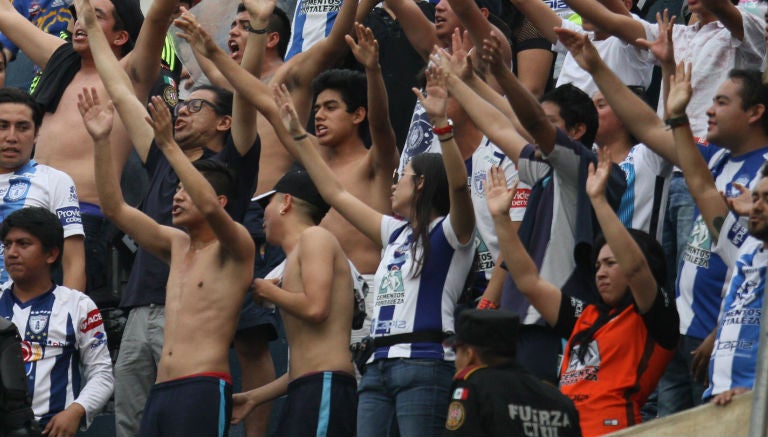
315 299
62 141
211 265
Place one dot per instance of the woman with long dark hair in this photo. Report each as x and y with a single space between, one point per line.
619 346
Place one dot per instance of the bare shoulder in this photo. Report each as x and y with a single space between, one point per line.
316 235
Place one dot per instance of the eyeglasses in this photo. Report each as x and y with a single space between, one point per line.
396 176
193 105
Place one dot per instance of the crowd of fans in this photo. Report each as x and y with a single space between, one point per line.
480 217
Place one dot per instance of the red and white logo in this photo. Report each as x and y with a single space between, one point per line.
92 321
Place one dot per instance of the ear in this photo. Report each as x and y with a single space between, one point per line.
473 359
358 116
273 39
286 204
52 256
420 184
755 113
485 12
224 124
121 38
222 200
577 131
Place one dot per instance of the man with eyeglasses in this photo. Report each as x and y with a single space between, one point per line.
203 128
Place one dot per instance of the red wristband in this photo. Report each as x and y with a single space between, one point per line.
448 128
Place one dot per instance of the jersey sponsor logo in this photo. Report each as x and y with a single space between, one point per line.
38 322
319 6
737 234
92 320
17 190
461 393
520 200
456 416
483 261
69 215
610 422
582 371
99 338
538 422
31 351
699 244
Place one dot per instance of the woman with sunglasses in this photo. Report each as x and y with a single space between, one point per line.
619 346
427 253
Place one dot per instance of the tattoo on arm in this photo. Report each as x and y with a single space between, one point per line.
717 225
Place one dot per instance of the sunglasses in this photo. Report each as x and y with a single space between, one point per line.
193 106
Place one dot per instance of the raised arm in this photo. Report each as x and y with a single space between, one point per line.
435 103
701 183
304 148
382 155
541 15
728 14
150 235
619 25
143 62
417 27
116 81
637 116
544 296
73 263
525 105
478 26
626 252
35 43
232 236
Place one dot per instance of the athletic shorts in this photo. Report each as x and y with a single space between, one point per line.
195 405
323 403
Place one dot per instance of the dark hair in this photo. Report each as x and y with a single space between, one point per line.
753 92
15 95
221 178
433 197
764 171
575 107
41 223
222 100
492 357
351 84
279 23
310 210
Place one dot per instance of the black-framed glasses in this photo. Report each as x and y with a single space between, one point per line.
193 105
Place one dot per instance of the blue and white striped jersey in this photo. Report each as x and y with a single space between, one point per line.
39 185
404 303
702 277
734 357
312 21
64 347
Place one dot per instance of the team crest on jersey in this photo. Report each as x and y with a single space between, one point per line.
17 190
456 416
170 95
477 183
72 197
38 322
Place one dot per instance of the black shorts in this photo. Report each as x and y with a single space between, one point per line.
323 403
190 406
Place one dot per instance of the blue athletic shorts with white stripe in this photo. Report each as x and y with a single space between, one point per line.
320 404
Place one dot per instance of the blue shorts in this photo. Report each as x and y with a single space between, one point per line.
323 403
196 405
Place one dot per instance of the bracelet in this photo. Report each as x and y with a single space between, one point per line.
448 128
676 121
300 137
486 304
443 139
257 31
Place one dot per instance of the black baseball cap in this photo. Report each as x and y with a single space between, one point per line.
492 329
297 183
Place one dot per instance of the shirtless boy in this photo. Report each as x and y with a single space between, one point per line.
211 266
316 303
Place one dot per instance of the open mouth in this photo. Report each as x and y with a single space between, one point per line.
234 48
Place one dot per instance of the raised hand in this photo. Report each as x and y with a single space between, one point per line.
85 11
581 48
366 49
193 33
679 90
741 204
492 53
597 178
97 117
261 9
436 100
288 113
160 120
662 48
498 195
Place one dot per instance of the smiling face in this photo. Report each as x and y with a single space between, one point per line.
238 36
611 281
17 136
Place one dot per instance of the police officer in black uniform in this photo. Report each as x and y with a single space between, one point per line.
492 395
16 416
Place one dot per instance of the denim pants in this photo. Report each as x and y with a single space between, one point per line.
408 394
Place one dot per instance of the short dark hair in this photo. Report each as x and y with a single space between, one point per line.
279 23
575 107
41 223
221 178
351 84
222 100
15 95
753 92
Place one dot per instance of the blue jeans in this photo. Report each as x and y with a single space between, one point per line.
677 225
677 389
408 394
